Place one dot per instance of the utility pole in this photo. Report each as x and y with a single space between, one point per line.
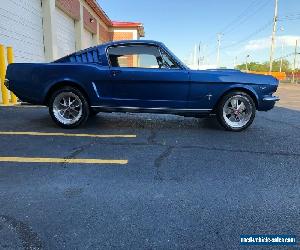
218 52
199 53
195 57
234 62
273 35
295 58
247 62
281 59
282 47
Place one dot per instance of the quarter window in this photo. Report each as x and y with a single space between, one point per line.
168 62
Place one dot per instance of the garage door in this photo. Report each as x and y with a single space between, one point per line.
87 39
21 26
65 30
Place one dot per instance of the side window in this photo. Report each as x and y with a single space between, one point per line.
168 62
135 56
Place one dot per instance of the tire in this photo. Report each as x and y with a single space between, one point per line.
93 112
69 107
236 111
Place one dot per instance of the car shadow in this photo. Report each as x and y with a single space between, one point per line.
40 119
150 121
278 115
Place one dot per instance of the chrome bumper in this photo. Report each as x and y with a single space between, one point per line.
271 98
6 83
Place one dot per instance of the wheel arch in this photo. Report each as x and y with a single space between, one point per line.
64 83
246 90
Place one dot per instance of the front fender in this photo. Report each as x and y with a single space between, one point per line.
225 89
249 89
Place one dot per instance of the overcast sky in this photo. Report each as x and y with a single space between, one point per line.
246 25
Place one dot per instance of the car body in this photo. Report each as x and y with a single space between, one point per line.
138 76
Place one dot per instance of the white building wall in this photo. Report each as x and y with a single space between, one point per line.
65 33
40 32
88 40
21 26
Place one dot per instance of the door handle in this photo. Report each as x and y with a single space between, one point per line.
115 72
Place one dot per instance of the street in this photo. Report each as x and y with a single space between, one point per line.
177 183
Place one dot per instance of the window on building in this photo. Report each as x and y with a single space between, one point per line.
139 56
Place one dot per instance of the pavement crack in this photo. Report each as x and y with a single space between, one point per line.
281 153
77 150
158 163
29 239
151 138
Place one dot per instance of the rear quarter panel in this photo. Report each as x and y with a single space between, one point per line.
32 82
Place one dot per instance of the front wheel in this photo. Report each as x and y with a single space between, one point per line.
93 112
68 107
236 111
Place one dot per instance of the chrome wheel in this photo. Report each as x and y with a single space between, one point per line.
237 111
67 108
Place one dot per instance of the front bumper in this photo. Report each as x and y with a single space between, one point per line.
6 83
271 99
268 102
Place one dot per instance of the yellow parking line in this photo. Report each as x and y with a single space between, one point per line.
61 160
64 134
19 105
7 105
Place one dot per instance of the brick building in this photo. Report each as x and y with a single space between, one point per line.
44 30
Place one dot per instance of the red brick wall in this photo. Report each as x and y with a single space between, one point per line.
122 36
129 61
71 7
104 35
87 16
98 11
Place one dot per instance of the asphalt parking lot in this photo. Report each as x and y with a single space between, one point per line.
133 181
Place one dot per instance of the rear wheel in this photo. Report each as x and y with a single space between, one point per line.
68 107
236 111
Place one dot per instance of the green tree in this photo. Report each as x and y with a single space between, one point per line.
265 66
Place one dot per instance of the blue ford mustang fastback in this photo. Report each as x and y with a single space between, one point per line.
139 76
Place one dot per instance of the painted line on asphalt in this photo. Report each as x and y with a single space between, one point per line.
21 106
64 134
61 160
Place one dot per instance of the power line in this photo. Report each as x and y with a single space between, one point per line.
289 19
247 17
291 16
273 35
285 56
245 39
241 18
253 8
233 22
218 49
264 27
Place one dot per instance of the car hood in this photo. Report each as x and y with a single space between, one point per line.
230 76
